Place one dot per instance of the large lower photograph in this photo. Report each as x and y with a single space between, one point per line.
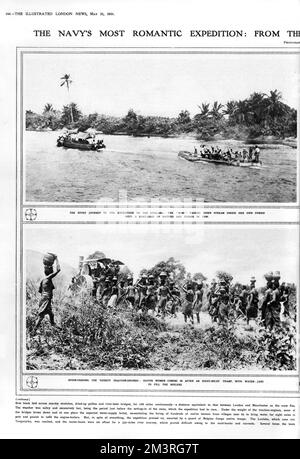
212 126
144 298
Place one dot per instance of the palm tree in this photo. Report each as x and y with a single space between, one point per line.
230 110
257 106
51 117
67 81
204 107
48 108
215 111
70 113
275 107
201 117
184 117
242 111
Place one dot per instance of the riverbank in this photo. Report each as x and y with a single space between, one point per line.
261 140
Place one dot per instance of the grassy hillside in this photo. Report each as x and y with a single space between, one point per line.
94 337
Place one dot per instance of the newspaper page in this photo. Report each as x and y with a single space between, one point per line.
150 220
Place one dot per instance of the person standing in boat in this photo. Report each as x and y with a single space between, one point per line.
202 149
250 154
231 155
256 154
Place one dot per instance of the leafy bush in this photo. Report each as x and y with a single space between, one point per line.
215 348
91 336
94 335
277 348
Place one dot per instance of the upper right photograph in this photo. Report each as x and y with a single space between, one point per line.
216 127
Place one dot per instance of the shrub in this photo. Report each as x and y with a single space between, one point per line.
277 348
92 336
95 335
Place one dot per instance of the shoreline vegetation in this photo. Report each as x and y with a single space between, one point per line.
261 118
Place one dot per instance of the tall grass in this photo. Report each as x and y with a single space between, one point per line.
92 336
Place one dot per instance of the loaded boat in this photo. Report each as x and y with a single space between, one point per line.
196 158
80 141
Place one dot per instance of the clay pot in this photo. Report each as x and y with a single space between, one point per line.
49 259
269 276
276 275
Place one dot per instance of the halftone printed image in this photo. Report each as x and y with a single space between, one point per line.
203 126
145 298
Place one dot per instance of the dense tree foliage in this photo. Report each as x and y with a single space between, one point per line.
173 268
259 115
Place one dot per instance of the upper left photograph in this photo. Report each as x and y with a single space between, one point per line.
215 127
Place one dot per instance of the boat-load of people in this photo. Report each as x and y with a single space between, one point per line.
214 154
80 141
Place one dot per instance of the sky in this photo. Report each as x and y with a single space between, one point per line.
243 251
155 84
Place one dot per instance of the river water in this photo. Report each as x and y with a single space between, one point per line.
149 168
